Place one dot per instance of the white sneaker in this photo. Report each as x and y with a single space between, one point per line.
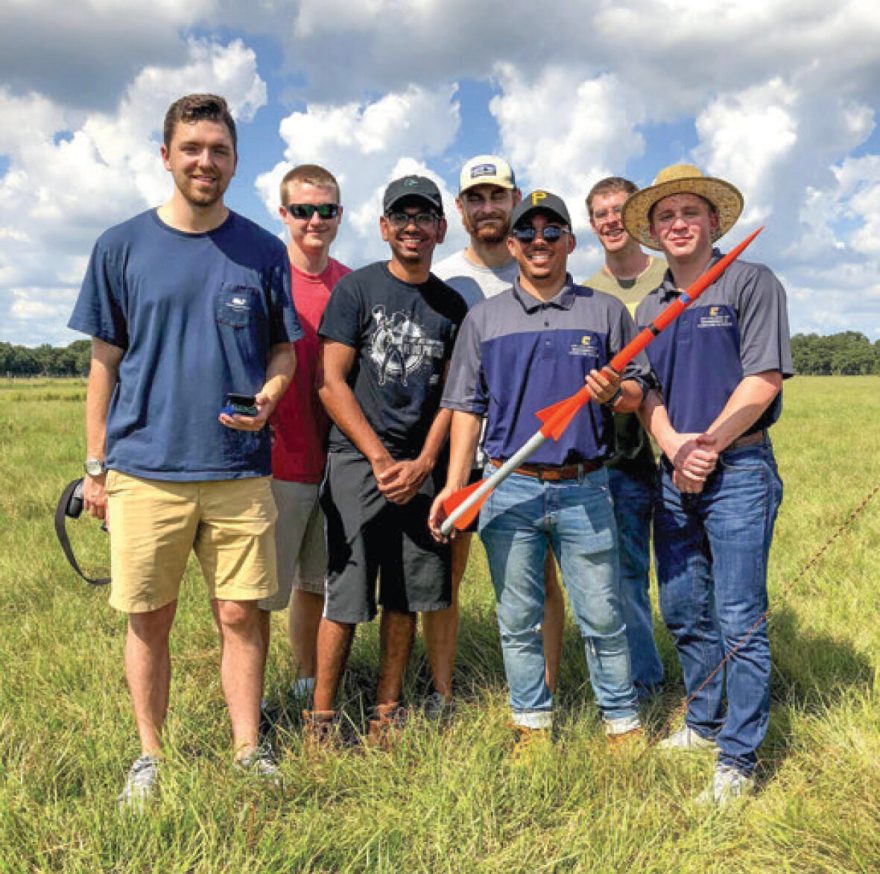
687 740
728 785
140 785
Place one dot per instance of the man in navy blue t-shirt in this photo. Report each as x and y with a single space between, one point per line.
187 304
720 368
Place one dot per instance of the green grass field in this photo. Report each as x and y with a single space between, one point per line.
444 800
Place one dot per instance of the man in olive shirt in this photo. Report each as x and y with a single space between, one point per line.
629 274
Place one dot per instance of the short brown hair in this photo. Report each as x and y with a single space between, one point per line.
309 174
608 185
199 107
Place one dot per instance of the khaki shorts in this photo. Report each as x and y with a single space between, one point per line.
299 542
229 524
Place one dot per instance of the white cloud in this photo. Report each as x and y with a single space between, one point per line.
70 176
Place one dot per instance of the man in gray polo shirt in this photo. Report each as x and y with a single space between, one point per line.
720 368
516 353
487 195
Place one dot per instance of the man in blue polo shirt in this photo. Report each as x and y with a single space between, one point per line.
518 352
720 368
186 304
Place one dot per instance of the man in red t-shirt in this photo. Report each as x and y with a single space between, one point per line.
311 210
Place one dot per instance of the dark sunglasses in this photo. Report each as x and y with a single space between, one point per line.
307 210
550 234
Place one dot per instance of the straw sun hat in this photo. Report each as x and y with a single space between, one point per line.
681 179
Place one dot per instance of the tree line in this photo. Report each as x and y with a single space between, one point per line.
845 354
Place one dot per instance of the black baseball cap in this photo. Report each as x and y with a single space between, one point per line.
417 187
540 201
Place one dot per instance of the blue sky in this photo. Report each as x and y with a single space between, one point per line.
779 97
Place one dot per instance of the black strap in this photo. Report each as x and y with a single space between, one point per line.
61 531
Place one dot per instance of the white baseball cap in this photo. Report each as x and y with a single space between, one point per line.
486 170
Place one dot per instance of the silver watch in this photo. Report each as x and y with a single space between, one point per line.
95 467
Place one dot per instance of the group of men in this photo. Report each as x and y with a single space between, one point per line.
387 390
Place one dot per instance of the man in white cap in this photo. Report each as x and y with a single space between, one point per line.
629 274
487 195
720 368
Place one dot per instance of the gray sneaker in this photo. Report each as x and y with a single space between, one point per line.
687 740
141 784
728 785
260 763
437 708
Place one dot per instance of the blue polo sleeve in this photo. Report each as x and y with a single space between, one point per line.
622 330
465 385
100 307
763 323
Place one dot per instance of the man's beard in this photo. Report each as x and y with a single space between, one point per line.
496 232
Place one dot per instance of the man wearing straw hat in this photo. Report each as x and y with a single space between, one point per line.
720 368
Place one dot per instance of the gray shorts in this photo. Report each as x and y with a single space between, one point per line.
369 537
299 542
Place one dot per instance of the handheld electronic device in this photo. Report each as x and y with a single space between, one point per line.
240 405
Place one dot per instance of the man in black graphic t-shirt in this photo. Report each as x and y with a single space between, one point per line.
387 335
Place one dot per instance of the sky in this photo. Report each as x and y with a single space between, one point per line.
779 97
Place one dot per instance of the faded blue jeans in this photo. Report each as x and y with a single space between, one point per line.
711 553
633 507
575 518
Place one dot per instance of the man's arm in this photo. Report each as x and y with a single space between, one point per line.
464 436
744 407
279 371
692 455
103 376
335 362
400 482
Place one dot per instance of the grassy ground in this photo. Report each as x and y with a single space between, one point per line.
443 800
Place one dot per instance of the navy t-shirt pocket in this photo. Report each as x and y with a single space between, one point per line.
236 305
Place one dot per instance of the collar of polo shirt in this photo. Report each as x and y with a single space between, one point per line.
563 299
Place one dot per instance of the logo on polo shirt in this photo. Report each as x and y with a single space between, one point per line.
715 317
399 346
239 304
587 347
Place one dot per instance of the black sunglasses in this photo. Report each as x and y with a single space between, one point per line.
307 210
550 234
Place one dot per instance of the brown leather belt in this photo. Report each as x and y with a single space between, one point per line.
748 440
552 472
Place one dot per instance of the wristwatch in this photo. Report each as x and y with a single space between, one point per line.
95 467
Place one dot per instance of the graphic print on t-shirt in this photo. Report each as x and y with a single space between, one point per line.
398 346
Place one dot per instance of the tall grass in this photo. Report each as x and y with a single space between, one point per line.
444 799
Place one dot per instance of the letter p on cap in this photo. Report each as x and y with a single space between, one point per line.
537 197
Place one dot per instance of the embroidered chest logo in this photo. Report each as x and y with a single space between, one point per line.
587 347
399 346
239 303
715 317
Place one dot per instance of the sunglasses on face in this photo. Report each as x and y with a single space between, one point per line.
307 210
550 234
401 220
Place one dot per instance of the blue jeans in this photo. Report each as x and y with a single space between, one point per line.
633 507
521 518
711 553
